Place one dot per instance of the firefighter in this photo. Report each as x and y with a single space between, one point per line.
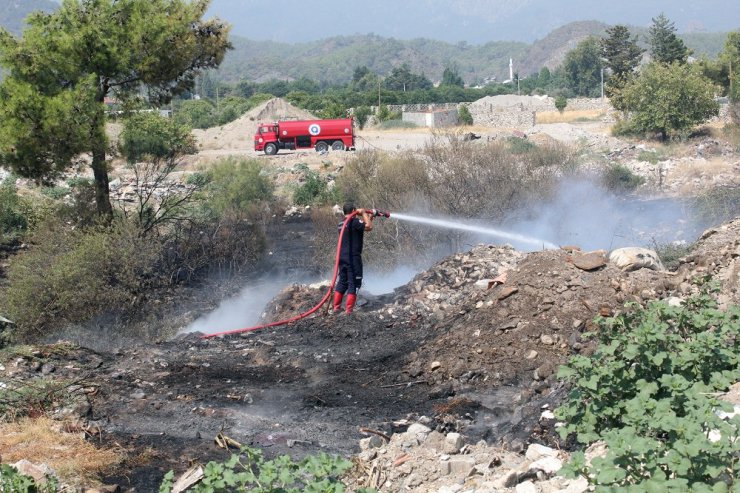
350 256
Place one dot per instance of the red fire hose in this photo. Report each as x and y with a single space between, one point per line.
312 310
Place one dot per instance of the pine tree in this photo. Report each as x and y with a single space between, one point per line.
620 51
67 63
665 46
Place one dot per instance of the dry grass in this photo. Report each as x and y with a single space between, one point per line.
76 461
569 116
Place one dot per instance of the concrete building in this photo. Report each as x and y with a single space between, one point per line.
433 118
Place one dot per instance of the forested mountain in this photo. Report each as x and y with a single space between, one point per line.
334 59
13 12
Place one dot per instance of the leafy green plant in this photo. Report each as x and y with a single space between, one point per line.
650 392
621 179
13 481
13 221
560 103
236 184
463 114
250 471
314 190
520 146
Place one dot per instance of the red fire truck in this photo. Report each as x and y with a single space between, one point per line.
303 134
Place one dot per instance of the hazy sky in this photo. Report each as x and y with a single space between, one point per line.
473 21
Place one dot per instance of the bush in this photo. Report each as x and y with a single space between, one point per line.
520 146
315 191
620 178
671 253
650 392
464 116
249 471
236 184
718 204
361 116
71 276
13 220
560 103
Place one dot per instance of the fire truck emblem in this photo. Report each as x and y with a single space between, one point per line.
314 129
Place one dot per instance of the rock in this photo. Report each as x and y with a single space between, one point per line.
48 368
537 451
532 354
526 487
139 394
633 258
39 472
453 443
589 261
506 292
435 365
596 449
371 442
549 465
461 465
547 340
578 485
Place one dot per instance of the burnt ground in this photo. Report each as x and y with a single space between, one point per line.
472 343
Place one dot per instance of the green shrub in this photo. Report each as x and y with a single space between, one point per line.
623 128
13 219
236 184
652 157
56 193
315 191
519 145
249 471
361 116
671 253
620 178
650 392
560 103
718 204
70 276
464 116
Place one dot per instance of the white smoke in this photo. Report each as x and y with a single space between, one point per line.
243 310
585 215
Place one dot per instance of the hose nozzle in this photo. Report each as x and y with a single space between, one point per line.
379 213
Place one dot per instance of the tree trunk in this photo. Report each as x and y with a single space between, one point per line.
99 166
735 111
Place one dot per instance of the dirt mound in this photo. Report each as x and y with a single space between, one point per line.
238 134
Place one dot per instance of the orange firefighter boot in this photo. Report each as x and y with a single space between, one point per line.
351 299
338 301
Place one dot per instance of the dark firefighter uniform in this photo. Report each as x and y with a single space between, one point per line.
350 263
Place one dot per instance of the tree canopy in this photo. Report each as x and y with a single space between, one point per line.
665 45
582 67
67 62
620 50
666 98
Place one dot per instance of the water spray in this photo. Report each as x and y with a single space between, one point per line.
441 223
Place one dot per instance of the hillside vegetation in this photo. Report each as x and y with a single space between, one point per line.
333 60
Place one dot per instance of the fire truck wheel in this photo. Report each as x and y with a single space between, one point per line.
322 146
337 145
271 149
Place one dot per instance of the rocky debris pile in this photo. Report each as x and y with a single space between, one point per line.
455 282
717 255
573 134
424 460
128 190
58 377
